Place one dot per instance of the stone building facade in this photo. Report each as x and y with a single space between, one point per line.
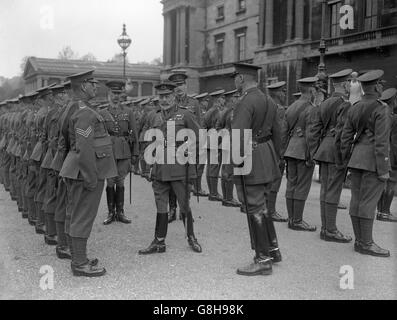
41 72
205 37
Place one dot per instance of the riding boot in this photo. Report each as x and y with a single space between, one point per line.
160 233
290 210
368 246
299 224
110 197
120 216
274 250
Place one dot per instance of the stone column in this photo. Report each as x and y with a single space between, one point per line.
182 44
167 39
290 19
269 24
299 19
139 88
178 36
261 22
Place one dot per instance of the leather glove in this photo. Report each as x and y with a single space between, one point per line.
310 163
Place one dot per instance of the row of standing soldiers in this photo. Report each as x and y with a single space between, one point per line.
36 140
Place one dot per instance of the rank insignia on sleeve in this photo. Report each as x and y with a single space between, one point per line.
84 133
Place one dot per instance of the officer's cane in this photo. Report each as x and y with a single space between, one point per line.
130 186
246 211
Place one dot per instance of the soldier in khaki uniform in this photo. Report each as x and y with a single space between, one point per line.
257 112
88 163
298 154
51 137
143 126
120 123
225 123
203 100
211 119
389 97
277 92
174 176
332 172
45 101
365 145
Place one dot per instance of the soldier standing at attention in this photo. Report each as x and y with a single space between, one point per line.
389 97
120 123
211 120
172 176
45 101
277 92
300 165
203 101
332 172
365 145
88 163
225 122
257 112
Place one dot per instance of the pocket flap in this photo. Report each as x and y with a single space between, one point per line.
104 152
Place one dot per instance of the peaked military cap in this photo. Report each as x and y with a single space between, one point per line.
341 75
193 95
178 77
245 68
137 101
297 94
145 101
371 76
232 92
217 92
82 77
67 84
165 87
388 94
277 85
310 81
202 96
42 92
58 89
115 86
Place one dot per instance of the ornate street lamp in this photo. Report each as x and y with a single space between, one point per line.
124 42
322 74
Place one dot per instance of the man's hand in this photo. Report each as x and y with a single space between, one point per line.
310 163
90 186
384 177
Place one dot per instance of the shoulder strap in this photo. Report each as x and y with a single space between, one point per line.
297 114
331 112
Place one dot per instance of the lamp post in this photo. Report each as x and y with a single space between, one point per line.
322 75
124 42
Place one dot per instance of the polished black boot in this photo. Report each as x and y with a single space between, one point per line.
298 223
290 210
50 240
214 195
384 214
120 206
172 215
229 201
201 192
160 233
111 198
274 250
262 262
368 246
63 252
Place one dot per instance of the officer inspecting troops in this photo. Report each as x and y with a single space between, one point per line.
277 92
298 154
174 175
121 125
389 97
365 145
89 162
332 171
258 112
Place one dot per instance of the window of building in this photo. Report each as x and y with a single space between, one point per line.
335 18
220 12
389 13
371 15
219 47
241 45
241 6
147 89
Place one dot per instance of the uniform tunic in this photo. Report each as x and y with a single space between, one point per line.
121 125
298 153
256 111
172 176
369 156
88 163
